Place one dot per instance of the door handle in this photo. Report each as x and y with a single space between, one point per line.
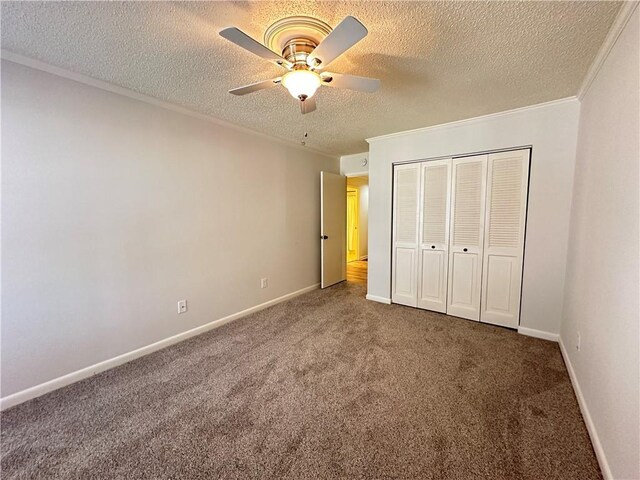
324 237
464 249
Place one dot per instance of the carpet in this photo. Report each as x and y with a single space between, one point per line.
327 385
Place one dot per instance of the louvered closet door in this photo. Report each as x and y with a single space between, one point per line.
466 236
507 181
433 254
404 280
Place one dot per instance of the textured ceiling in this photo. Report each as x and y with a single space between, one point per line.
438 61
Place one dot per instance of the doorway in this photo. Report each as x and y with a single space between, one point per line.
356 250
352 224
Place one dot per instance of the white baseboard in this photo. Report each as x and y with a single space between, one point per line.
364 257
595 440
530 332
378 299
68 379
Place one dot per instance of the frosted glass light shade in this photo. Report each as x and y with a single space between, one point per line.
301 82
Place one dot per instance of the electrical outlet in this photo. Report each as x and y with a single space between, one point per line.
264 283
578 342
182 306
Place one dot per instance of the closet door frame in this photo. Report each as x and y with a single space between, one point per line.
438 252
414 301
466 252
406 297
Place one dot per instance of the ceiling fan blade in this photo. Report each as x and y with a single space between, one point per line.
254 87
243 40
308 106
348 32
351 82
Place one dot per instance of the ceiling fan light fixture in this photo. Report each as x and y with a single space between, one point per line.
308 45
301 83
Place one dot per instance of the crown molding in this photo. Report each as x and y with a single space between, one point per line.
621 20
110 87
354 155
481 118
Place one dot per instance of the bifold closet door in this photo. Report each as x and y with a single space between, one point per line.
404 277
507 183
433 252
468 187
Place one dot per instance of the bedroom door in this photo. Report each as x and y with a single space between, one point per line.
333 227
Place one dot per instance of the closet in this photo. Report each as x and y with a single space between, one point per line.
458 235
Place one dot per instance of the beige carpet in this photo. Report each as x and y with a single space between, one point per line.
327 385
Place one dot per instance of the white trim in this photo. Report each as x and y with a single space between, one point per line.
530 332
357 174
591 428
364 257
355 155
375 298
623 16
474 119
68 379
109 87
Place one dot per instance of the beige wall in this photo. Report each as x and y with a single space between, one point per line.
601 289
114 209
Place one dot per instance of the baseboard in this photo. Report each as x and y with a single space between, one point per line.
530 332
378 299
68 379
595 440
364 257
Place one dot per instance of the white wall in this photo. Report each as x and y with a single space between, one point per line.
601 289
552 130
352 164
362 184
113 209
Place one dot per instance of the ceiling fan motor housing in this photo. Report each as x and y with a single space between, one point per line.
296 37
297 50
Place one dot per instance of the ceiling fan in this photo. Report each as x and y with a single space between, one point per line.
308 46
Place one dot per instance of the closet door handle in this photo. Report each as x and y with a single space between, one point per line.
433 246
464 249
324 237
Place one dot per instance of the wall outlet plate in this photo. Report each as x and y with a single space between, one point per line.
264 283
182 306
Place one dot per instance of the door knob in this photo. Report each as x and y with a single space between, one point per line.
324 237
464 249
433 246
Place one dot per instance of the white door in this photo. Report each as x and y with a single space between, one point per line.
468 187
406 188
333 228
507 181
433 252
